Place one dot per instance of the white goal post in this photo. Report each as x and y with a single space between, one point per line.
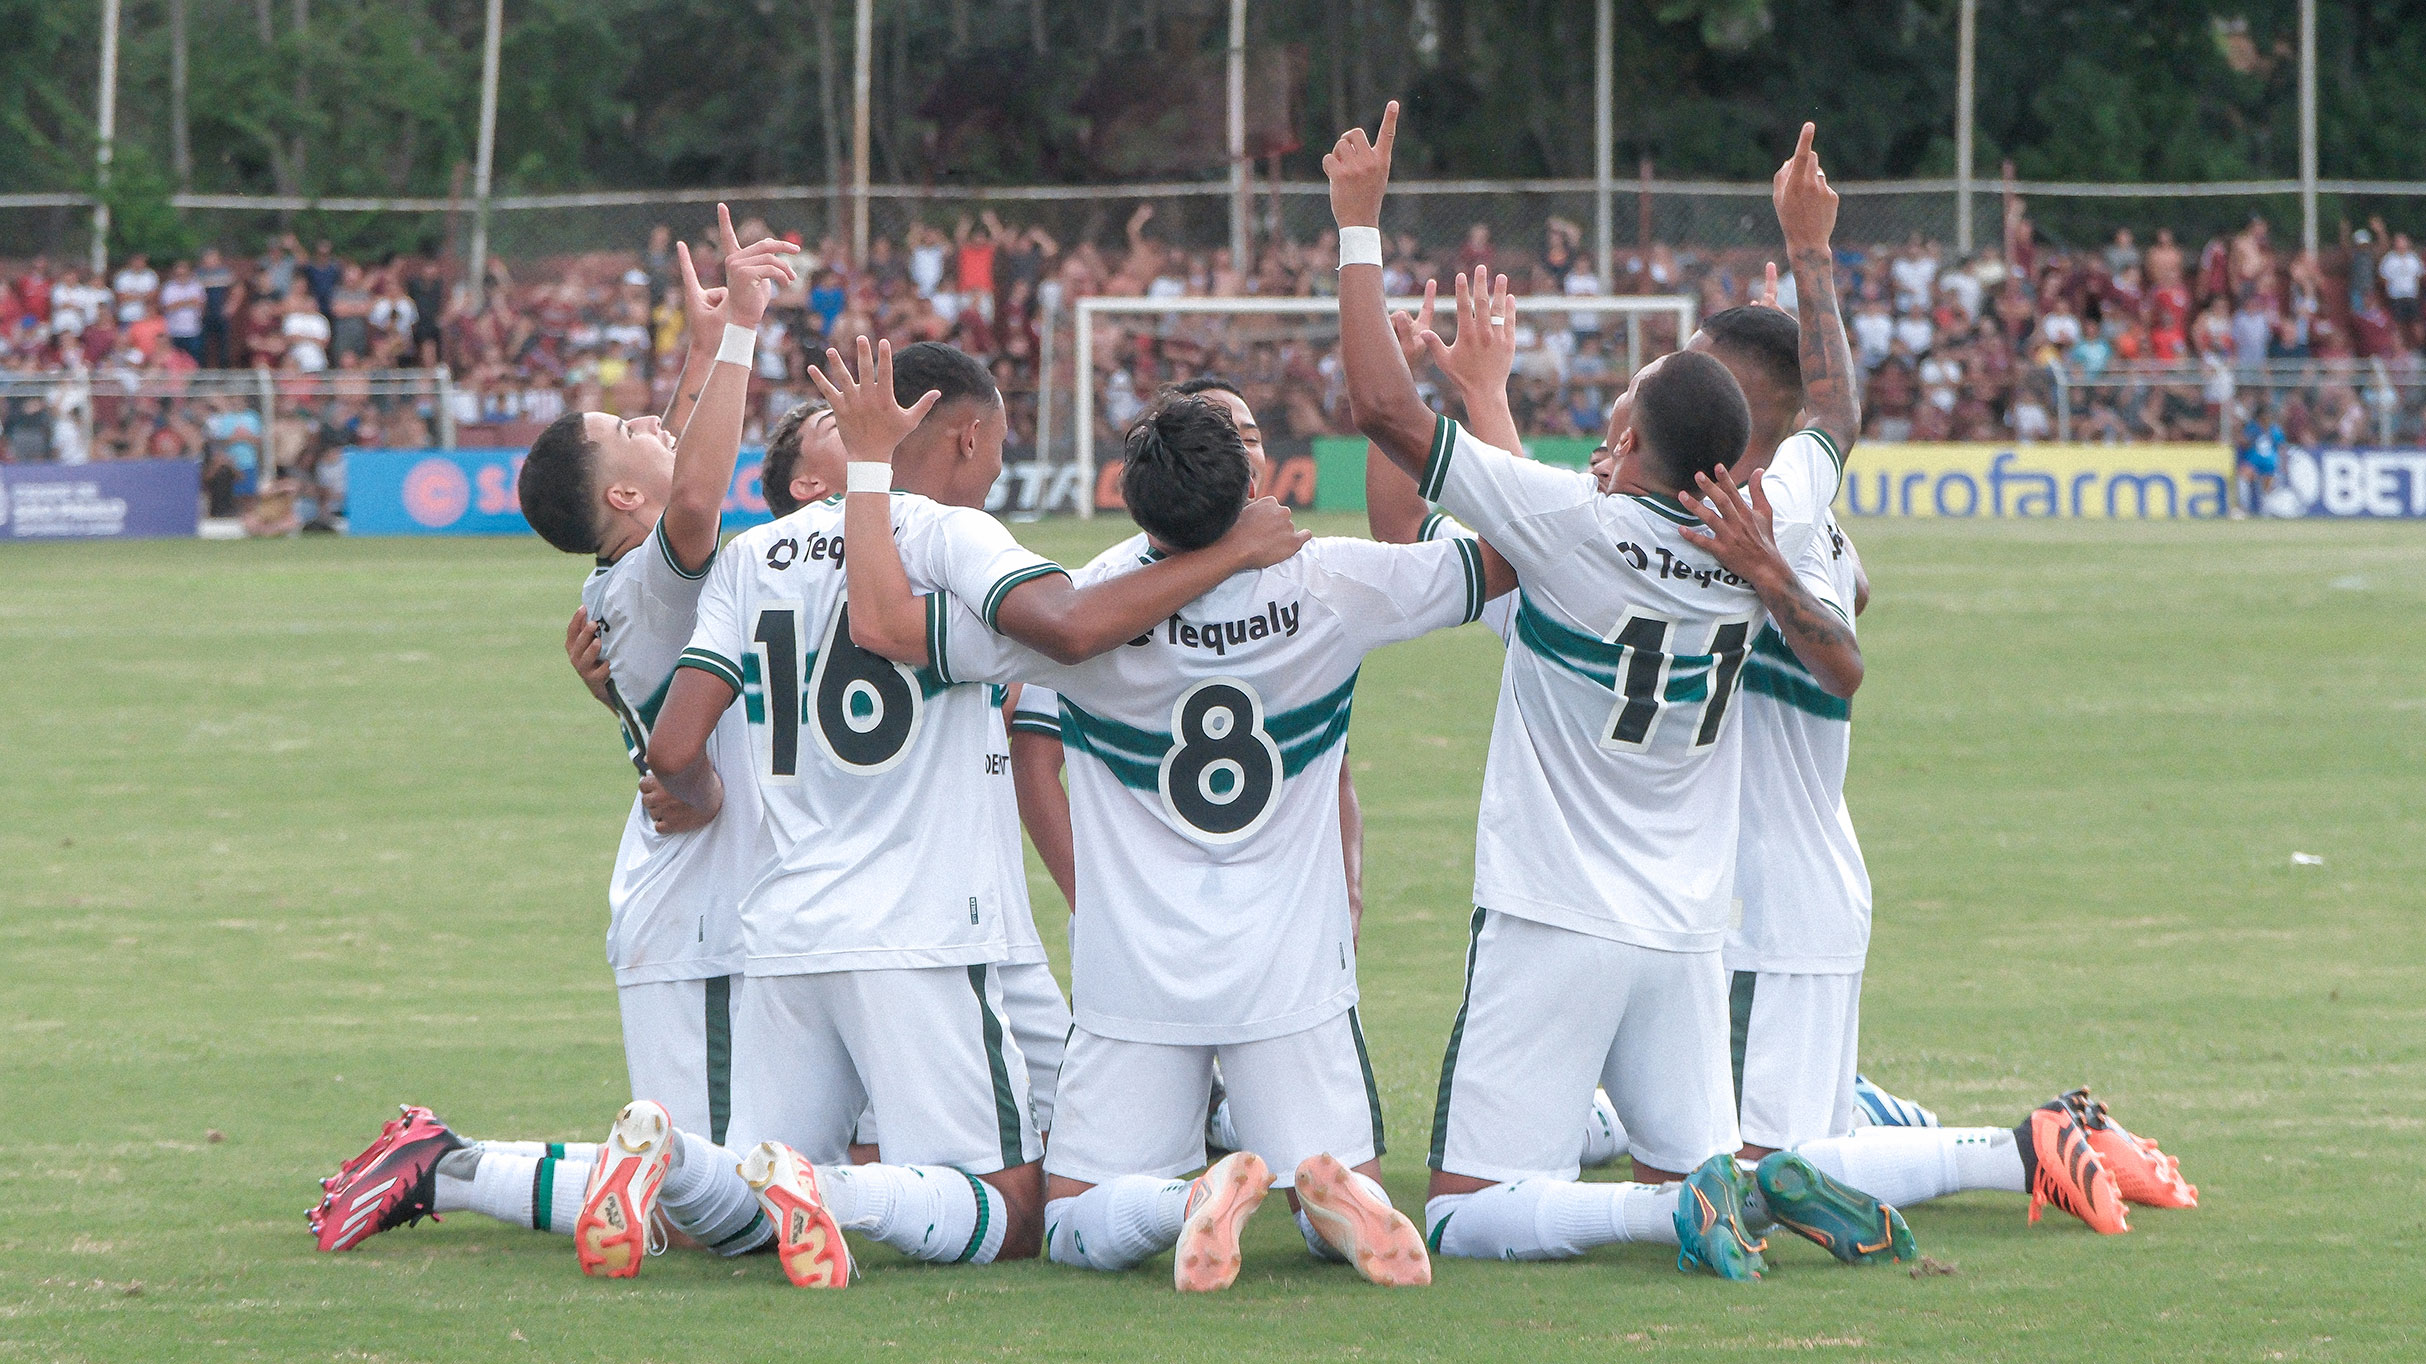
1631 307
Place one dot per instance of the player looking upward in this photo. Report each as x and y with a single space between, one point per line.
650 509
1612 719
1212 909
895 875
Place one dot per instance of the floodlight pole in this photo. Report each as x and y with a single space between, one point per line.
2308 125
485 161
863 36
104 143
1238 137
1967 42
1604 141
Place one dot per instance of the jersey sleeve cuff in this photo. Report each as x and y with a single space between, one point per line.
1436 468
666 548
1835 456
1037 724
1470 558
939 635
1003 585
714 664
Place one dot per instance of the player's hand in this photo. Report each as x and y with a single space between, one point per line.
1485 352
871 421
1741 535
702 309
1806 207
584 649
1411 329
1359 171
752 274
1264 535
668 815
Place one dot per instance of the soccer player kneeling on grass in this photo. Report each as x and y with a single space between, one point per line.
1212 917
649 510
1605 860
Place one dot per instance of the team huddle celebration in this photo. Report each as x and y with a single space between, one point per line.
838 1015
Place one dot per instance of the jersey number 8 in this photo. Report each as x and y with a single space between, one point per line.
1222 775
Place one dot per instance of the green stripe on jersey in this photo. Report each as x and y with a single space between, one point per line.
1134 756
1470 557
1598 660
1763 678
1003 585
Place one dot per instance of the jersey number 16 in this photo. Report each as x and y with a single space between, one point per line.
863 708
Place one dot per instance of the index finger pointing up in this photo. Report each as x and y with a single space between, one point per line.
1802 148
732 244
1389 129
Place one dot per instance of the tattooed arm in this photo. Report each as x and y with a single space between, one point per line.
1806 210
1741 538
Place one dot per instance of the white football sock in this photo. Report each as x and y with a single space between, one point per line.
1550 1219
538 1192
706 1199
1116 1224
927 1212
1220 1129
1604 1135
1908 1165
585 1152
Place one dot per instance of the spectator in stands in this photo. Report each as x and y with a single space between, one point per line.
349 316
321 274
2400 270
306 329
182 299
137 287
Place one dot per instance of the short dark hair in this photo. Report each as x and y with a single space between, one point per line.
558 485
1205 383
1691 416
1186 475
932 365
783 456
1767 338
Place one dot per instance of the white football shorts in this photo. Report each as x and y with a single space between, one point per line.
1795 1041
925 1050
1040 1021
1138 1108
678 1046
1548 1014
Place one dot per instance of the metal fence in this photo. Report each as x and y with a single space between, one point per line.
258 421
2350 401
1681 214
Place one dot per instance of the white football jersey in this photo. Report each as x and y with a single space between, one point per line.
1610 799
885 790
673 901
1799 874
1204 785
1499 613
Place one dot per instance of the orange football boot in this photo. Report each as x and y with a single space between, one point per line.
2066 1172
2145 1174
617 1227
1374 1236
808 1241
1207 1258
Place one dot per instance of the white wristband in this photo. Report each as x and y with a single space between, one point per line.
1359 246
867 476
740 343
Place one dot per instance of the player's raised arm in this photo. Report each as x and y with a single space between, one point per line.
1741 536
1806 212
1381 390
706 447
885 616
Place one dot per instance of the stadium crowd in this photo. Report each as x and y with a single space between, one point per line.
1952 348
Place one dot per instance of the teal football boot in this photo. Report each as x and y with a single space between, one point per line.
1710 1223
1835 1216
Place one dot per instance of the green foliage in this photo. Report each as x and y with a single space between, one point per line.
380 97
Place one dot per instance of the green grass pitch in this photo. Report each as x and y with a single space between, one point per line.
300 830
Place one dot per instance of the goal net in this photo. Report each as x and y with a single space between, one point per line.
1105 358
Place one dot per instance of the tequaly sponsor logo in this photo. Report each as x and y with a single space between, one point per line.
1221 636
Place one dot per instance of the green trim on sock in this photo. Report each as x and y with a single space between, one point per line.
543 1194
985 1210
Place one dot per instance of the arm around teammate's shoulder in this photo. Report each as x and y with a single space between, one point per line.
1071 624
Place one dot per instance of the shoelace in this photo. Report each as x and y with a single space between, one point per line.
654 1236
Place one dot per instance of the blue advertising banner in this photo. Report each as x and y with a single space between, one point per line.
471 492
126 499
2373 483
